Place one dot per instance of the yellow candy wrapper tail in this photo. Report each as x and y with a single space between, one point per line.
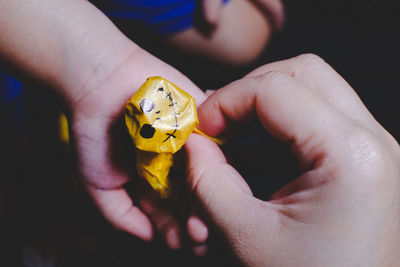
63 128
154 167
218 141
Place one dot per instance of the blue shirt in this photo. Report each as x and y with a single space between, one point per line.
160 16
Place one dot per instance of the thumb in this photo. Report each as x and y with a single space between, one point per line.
218 187
275 11
245 221
212 11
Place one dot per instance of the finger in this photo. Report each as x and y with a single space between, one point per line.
275 11
212 11
287 108
197 229
223 194
116 206
198 233
218 187
200 250
209 92
163 218
317 75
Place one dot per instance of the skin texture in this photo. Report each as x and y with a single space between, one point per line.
71 46
239 30
343 210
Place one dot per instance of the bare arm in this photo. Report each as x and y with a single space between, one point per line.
72 46
67 43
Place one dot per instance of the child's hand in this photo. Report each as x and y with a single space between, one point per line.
273 8
343 210
73 47
98 132
212 11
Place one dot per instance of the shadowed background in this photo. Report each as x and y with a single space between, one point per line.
48 225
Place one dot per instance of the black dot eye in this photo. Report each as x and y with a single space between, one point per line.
146 105
147 131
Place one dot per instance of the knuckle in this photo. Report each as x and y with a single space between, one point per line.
309 59
308 66
369 158
310 62
271 77
271 84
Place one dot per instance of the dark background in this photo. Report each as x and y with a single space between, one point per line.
358 38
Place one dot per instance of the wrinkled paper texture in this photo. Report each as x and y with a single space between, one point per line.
160 118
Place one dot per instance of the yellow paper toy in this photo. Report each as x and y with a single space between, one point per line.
159 117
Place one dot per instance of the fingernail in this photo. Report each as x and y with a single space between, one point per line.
197 229
172 238
200 250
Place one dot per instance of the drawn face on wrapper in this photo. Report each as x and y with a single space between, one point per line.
160 116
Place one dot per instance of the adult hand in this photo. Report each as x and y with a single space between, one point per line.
343 210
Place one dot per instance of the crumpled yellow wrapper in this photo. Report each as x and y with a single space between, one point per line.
159 117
